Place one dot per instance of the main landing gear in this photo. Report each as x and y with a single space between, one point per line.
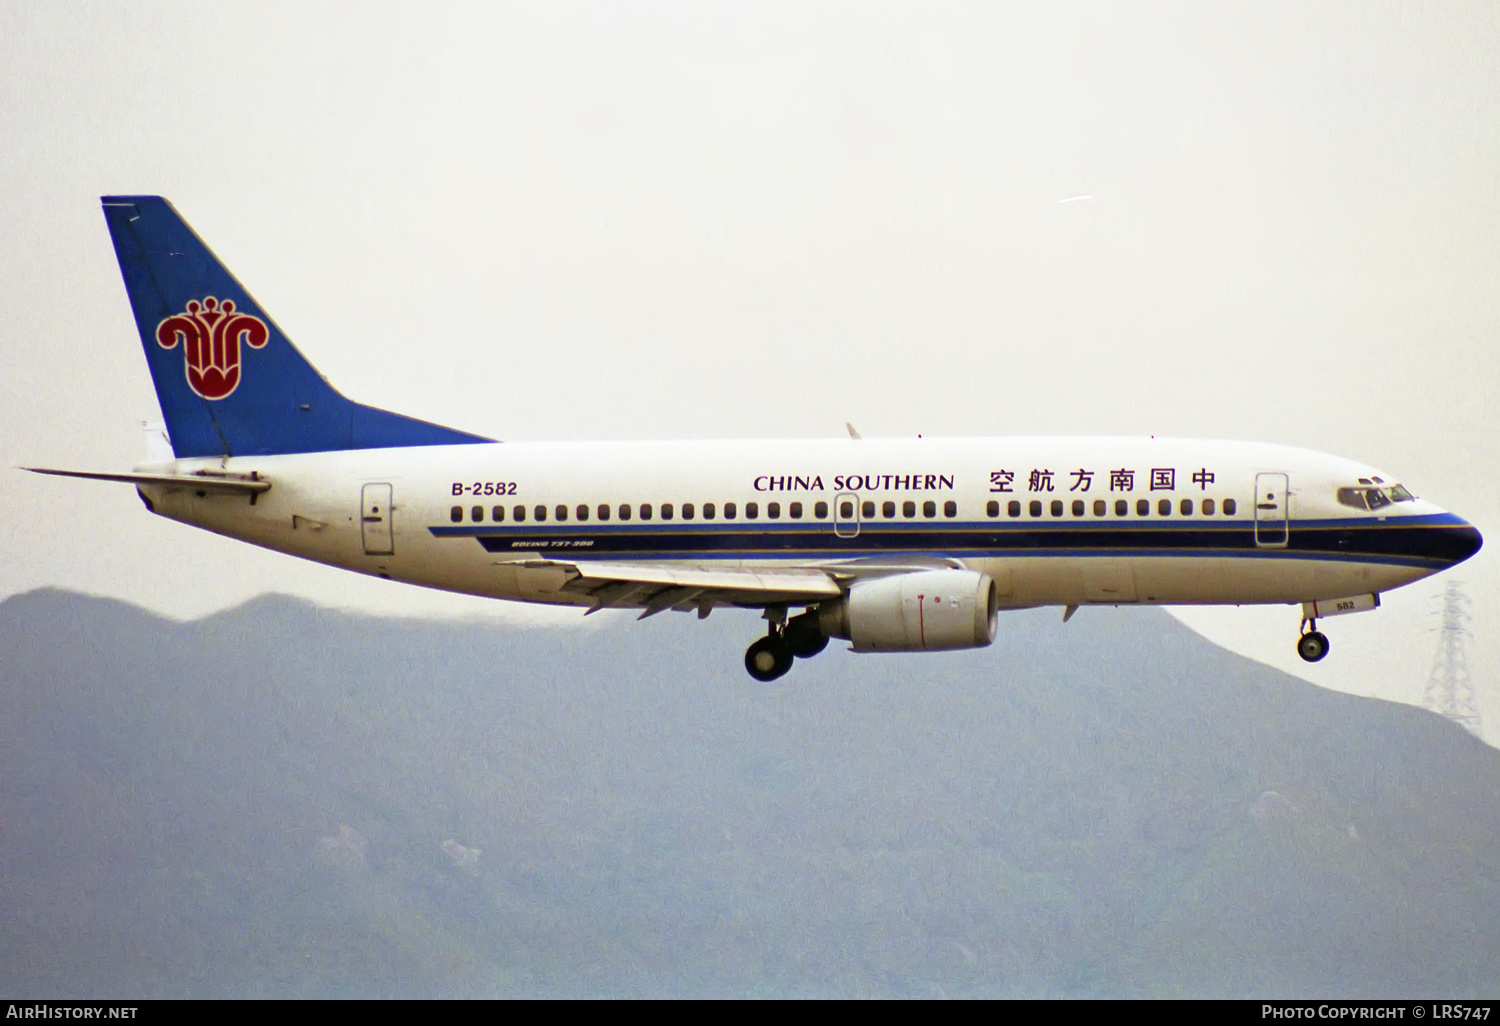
798 638
1313 645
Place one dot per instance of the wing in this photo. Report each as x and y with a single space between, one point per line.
658 587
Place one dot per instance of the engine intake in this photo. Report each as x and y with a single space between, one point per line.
924 611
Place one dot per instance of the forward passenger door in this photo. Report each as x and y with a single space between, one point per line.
1272 517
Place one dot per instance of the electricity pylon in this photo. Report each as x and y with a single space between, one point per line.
1450 691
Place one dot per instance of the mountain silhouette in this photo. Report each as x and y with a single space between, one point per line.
282 800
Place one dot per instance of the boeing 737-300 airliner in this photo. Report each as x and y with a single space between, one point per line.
895 545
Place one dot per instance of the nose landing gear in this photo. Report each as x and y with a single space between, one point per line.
1313 645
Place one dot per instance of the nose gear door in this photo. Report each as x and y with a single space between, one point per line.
375 520
1272 512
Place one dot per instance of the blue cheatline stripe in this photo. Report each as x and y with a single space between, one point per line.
1415 541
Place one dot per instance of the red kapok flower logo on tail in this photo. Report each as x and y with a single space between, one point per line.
211 334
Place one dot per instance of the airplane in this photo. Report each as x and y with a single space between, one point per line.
891 544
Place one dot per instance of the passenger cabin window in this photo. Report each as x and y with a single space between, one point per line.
1208 507
1186 507
645 511
992 508
1143 507
1164 507
1122 508
773 511
795 509
1057 507
1100 507
908 509
752 510
582 511
476 514
1034 507
708 511
888 509
929 508
1078 507
562 513
1013 508
456 514
666 511
624 511
603 511
867 510
820 510
519 514
688 511
950 508
1229 507
497 514
729 511
846 510
541 513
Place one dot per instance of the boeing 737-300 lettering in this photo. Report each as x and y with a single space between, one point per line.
895 545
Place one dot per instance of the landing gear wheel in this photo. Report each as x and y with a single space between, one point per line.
807 646
768 659
803 638
1312 646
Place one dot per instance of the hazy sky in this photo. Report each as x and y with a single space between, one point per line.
692 220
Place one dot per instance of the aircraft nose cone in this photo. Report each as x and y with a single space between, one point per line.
1465 542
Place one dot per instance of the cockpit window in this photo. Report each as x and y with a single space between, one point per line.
1373 498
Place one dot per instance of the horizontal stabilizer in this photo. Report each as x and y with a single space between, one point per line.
204 482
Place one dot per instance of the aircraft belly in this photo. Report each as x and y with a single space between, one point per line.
1111 582
1169 580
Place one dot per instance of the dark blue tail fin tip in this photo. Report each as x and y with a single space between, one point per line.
229 381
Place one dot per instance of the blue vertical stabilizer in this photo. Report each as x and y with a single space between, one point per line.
229 382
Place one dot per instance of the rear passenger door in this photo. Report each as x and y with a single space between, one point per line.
375 523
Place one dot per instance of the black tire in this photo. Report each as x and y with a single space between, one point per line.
1312 646
768 659
804 640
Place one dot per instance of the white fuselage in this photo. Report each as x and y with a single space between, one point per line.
1181 521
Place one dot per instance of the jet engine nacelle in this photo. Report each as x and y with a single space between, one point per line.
915 612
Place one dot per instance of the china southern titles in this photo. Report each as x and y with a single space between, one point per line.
854 483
